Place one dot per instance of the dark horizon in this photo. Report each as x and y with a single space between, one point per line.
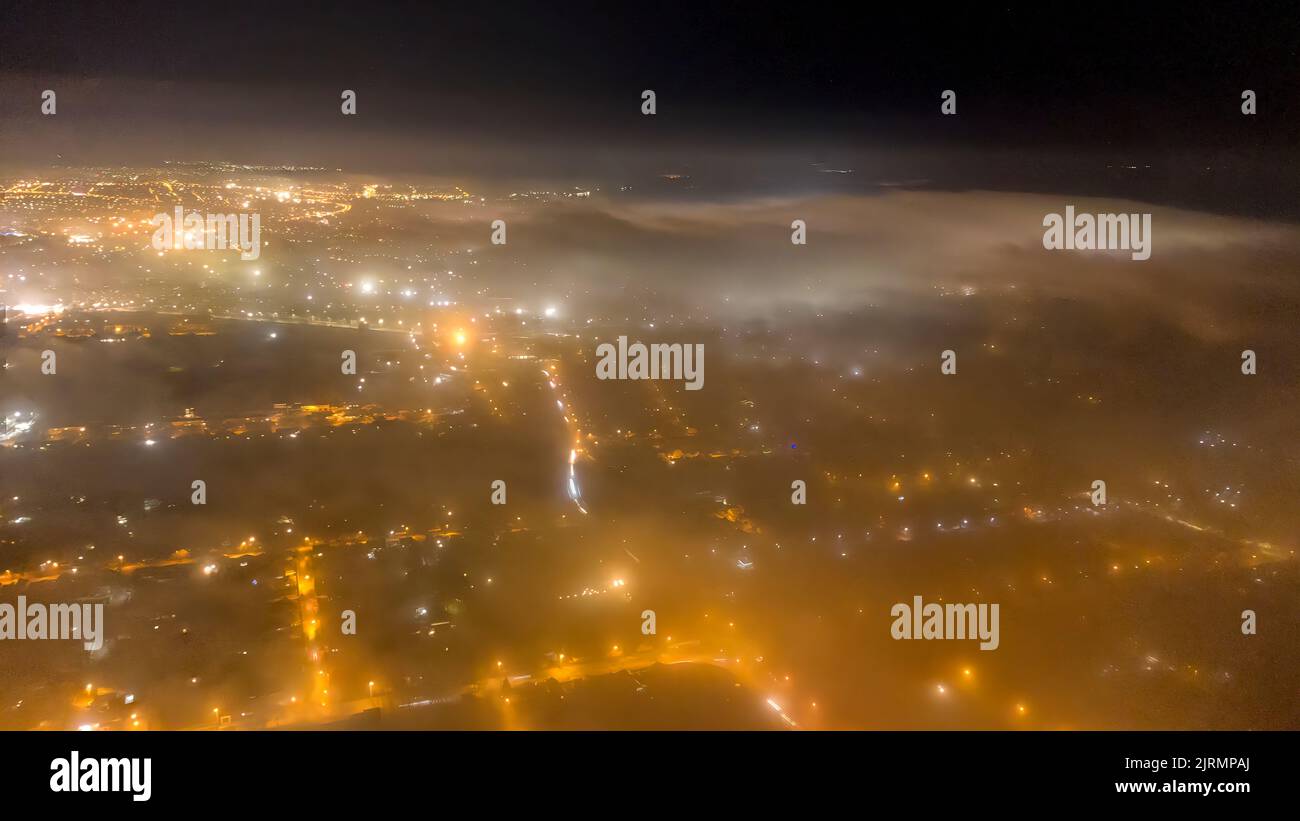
1146 109
1025 76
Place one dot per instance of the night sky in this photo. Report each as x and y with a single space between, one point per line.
1027 75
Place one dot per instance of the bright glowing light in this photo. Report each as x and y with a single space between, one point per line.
33 309
776 708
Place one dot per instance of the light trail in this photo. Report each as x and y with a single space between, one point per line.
575 493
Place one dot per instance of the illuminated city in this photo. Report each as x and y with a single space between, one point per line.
371 474
372 493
